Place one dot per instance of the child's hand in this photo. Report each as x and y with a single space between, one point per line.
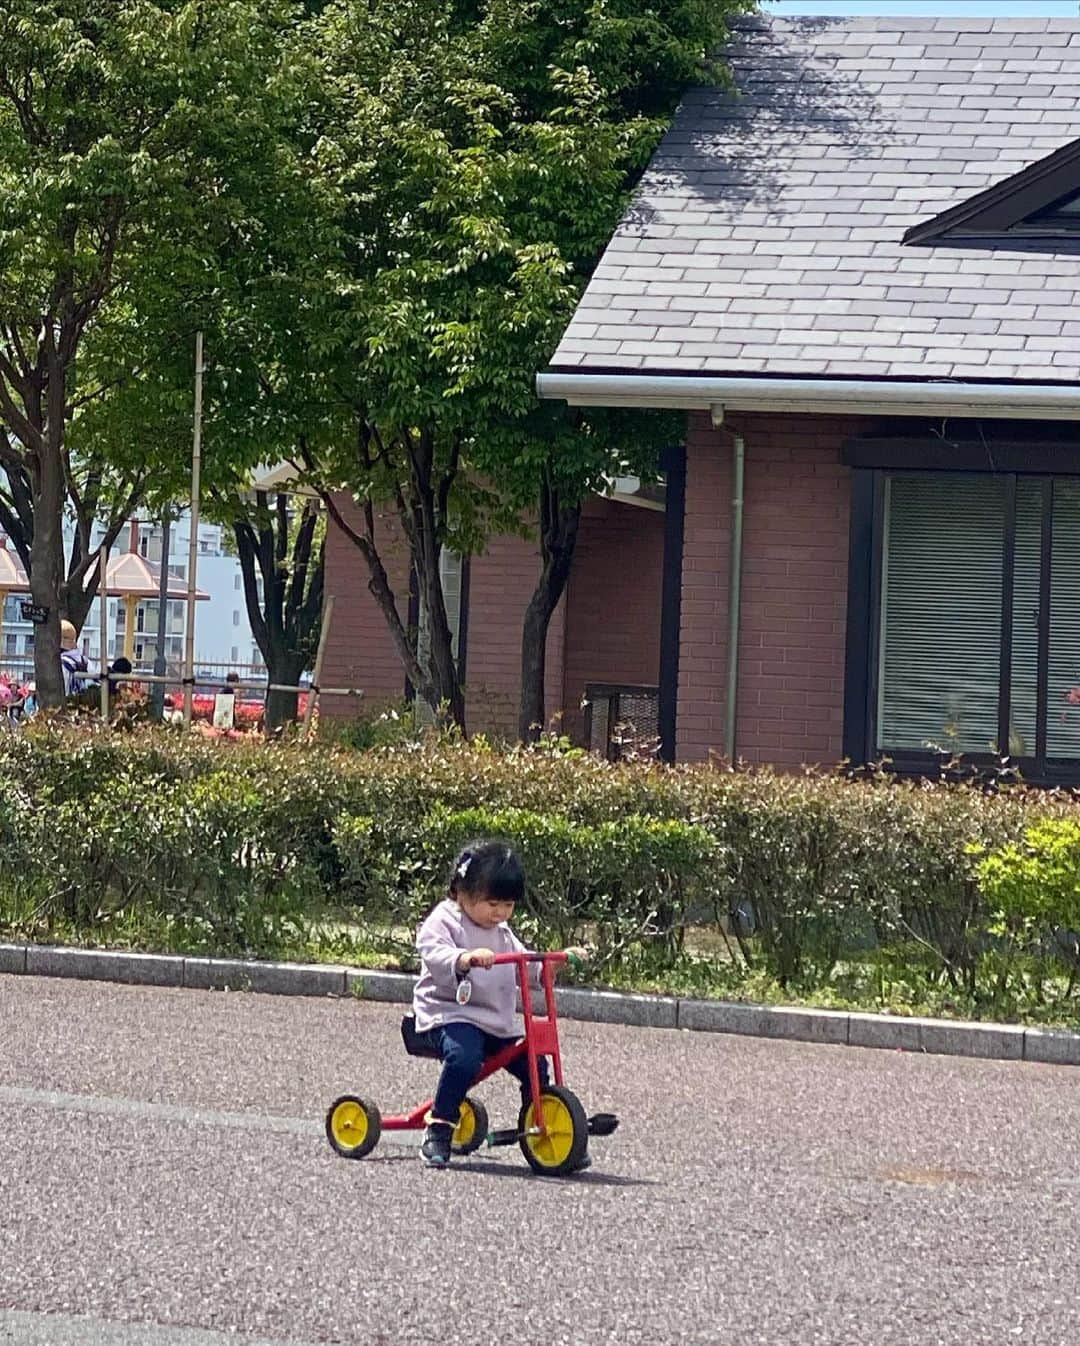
476 958
579 952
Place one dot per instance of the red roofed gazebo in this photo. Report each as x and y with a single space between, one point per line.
13 578
133 578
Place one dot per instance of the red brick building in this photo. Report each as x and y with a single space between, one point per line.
793 599
606 630
859 275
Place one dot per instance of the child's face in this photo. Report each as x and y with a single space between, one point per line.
485 911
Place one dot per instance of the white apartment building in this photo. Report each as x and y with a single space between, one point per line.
222 631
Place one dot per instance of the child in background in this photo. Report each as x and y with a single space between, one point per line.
464 1019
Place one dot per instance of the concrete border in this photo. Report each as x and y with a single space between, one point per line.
241 974
943 1037
12 958
146 969
394 987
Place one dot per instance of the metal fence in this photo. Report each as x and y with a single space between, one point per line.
622 720
209 676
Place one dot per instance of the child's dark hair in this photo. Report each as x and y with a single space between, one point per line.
490 868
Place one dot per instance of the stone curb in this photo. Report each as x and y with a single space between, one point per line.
942 1037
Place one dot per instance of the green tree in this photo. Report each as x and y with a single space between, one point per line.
131 135
477 158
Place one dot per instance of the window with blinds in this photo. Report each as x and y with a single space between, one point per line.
941 612
962 553
1063 673
1023 705
451 571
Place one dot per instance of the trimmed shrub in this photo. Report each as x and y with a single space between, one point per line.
241 845
618 884
1032 889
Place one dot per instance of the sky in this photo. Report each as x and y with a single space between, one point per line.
996 9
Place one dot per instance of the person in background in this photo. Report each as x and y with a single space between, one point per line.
116 689
72 660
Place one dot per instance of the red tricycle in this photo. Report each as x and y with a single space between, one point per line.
552 1128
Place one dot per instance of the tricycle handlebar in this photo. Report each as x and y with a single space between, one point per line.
558 957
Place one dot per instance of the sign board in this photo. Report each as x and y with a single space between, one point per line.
34 612
224 710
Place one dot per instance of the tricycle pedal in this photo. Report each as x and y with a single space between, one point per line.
602 1123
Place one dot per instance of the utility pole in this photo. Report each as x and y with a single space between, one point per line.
157 691
193 544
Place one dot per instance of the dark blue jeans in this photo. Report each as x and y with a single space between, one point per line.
464 1048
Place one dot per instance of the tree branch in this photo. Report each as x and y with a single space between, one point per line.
13 528
379 587
18 422
301 556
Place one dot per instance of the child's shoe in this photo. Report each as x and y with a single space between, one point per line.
435 1151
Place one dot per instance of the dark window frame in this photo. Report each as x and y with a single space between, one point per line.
674 465
872 461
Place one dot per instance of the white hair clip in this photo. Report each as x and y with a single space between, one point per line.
463 869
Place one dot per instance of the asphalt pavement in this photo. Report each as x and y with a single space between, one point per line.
164 1181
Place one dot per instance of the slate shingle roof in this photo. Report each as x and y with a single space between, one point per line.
765 235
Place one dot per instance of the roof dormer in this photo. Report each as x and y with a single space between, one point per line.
1040 203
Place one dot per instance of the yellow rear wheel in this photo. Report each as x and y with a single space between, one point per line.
472 1128
565 1140
353 1126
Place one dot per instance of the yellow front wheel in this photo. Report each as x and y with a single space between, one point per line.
562 1147
353 1126
472 1128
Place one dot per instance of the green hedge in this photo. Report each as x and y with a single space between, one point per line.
809 881
617 884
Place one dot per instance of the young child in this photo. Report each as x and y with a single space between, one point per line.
467 1019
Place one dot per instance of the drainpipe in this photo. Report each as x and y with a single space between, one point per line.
738 474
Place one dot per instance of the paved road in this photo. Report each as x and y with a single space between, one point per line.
164 1182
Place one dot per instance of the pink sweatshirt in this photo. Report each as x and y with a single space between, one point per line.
440 942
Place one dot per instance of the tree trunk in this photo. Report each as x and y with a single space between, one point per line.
443 693
435 678
286 620
76 598
285 667
558 538
47 548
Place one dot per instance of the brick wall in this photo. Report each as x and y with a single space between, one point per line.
613 602
360 652
789 709
501 583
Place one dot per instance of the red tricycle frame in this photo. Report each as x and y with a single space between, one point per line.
541 1039
552 1131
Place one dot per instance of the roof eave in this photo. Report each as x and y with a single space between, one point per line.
830 396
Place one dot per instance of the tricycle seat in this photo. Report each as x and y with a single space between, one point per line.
415 1043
